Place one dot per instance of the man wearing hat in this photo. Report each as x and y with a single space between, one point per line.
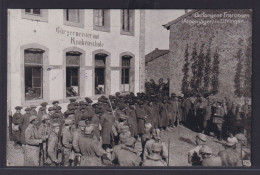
33 111
218 119
25 123
155 158
207 116
17 126
44 132
90 149
230 156
32 141
78 134
141 116
208 159
53 146
51 112
163 122
132 120
55 103
30 94
194 156
127 156
155 138
41 112
67 138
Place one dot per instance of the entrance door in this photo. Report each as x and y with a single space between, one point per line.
100 73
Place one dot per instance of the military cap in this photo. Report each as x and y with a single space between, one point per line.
18 108
82 123
88 100
84 116
55 102
156 147
27 109
54 108
44 104
82 108
206 150
54 125
117 93
32 118
71 107
123 116
83 103
76 104
102 100
89 130
33 106
58 108
50 109
111 97
104 97
55 116
72 99
130 141
68 122
202 137
45 117
95 105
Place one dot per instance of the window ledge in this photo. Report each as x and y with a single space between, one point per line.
73 24
102 28
43 17
129 33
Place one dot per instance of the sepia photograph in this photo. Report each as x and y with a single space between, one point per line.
129 87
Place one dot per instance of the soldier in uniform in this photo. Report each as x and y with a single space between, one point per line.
55 103
126 155
17 126
155 158
25 124
33 111
67 141
32 141
77 135
53 146
218 119
208 159
194 156
207 117
163 122
132 120
44 132
156 138
140 115
90 149
41 112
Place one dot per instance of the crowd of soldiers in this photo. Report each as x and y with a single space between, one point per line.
120 130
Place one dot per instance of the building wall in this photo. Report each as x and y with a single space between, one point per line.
24 32
227 38
158 68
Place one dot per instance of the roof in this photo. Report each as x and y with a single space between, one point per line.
178 19
155 54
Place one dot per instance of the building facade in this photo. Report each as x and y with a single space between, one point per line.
224 31
58 54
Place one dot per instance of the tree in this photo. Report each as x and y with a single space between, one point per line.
215 73
200 69
248 70
207 72
238 75
194 69
185 70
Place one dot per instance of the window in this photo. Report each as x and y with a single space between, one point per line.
101 20
125 76
33 11
72 73
35 14
33 73
100 73
74 17
127 22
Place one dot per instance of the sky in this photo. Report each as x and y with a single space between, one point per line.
156 36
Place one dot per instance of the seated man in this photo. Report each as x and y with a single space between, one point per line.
155 158
208 159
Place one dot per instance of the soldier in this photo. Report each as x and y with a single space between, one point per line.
245 109
218 119
132 120
17 126
67 141
170 114
140 115
30 95
155 158
51 112
156 138
208 159
33 111
53 146
194 156
41 112
163 122
25 123
32 141
77 135
55 103
90 149
207 117
126 155
44 132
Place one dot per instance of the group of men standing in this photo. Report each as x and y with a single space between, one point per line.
116 130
